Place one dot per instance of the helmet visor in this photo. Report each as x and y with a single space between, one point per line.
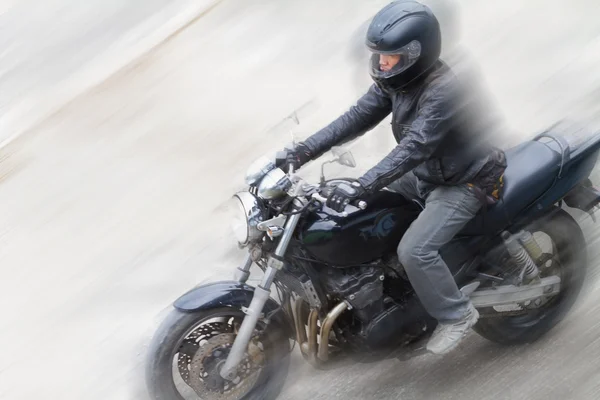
389 64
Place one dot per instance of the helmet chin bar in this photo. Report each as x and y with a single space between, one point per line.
407 28
399 81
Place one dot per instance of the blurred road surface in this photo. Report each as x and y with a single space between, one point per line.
114 206
52 50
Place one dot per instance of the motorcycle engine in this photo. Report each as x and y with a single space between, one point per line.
380 322
362 287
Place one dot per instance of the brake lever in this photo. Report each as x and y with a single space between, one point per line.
317 196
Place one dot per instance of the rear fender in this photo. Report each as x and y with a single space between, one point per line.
229 294
584 196
576 171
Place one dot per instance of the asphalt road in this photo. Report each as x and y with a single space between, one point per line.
114 206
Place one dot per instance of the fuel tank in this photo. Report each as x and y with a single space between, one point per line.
363 235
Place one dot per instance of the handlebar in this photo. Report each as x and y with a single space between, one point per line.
360 203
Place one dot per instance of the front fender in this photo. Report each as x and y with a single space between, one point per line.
229 294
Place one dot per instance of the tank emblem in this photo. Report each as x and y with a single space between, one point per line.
382 227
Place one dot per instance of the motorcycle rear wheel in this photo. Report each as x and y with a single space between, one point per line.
188 348
570 251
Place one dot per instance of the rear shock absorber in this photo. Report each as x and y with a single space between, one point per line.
529 271
531 245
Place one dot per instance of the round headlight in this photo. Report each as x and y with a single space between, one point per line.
247 215
275 184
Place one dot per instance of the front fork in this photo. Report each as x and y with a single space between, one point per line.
244 271
261 295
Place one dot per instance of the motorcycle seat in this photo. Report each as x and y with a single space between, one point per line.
531 169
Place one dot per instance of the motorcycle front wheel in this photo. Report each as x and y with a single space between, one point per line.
563 241
189 349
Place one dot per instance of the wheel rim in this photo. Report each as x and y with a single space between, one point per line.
201 352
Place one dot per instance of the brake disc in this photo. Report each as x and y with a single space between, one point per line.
193 342
204 377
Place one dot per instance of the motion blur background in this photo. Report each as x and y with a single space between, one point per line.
126 125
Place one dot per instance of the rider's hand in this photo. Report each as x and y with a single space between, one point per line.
296 157
343 194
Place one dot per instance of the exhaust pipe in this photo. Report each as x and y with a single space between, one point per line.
323 354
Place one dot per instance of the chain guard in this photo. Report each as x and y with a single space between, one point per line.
548 261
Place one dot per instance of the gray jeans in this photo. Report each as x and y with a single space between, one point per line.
447 211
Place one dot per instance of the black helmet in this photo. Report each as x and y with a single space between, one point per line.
409 29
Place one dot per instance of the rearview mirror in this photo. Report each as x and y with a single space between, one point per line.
347 159
343 156
337 151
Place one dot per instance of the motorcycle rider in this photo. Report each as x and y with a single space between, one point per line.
444 157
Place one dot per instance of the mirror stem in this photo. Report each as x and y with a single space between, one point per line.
323 171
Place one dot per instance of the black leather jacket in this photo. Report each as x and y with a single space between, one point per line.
437 124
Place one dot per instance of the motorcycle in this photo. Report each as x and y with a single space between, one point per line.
343 294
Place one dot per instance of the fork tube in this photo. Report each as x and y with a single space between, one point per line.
243 272
262 293
290 226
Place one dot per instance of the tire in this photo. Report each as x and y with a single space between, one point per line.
169 337
571 248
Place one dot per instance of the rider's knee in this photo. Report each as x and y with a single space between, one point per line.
413 254
407 252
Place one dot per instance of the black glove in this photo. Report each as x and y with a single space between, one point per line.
296 157
344 194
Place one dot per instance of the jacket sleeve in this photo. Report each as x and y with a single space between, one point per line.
432 123
369 111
